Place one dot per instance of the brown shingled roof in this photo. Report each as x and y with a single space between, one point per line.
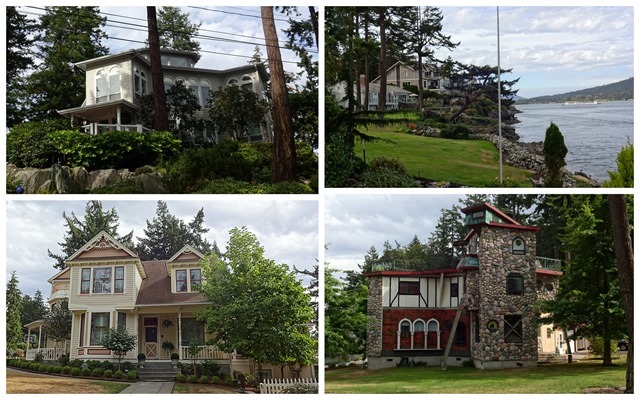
156 288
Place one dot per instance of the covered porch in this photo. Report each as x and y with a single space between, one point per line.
39 343
117 115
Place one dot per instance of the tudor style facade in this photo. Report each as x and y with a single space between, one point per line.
108 286
491 293
116 83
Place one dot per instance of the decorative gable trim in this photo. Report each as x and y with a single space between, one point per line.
186 256
102 241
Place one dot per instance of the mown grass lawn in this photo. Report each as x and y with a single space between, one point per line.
27 383
183 388
551 378
472 163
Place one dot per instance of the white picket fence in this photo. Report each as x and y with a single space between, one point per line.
275 386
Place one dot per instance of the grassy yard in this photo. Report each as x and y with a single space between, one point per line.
466 162
552 378
26 383
185 388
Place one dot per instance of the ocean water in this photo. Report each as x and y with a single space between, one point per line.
593 133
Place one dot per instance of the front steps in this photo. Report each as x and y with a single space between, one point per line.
552 358
158 372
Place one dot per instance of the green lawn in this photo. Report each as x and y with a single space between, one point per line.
467 162
551 378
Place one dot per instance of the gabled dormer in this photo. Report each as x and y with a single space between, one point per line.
104 271
185 270
59 286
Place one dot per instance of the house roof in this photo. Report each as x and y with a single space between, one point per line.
65 275
156 288
510 222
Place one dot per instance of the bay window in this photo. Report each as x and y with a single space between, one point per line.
99 328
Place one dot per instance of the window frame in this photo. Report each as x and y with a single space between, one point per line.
116 279
405 328
100 328
515 284
513 328
409 287
87 281
518 249
186 282
121 320
101 283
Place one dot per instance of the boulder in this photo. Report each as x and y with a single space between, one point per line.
33 180
102 177
151 183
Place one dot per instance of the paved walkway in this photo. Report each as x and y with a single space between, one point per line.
150 387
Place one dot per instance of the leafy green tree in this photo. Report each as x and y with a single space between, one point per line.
182 105
237 111
80 232
68 35
554 153
120 342
19 59
623 177
14 310
258 307
57 323
589 298
175 30
166 234
312 289
345 318
449 228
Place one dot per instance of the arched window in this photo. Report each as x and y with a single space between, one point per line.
518 246
140 81
515 283
114 83
404 335
433 334
405 328
102 87
247 82
419 336
205 92
232 82
193 86
168 82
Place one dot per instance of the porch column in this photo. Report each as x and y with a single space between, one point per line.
180 332
28 336
118 120
39 337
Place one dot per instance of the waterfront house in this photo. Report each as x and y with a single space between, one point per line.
116 83
481 310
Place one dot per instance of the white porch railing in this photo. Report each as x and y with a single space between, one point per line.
48 353
204 353
95 129
275 386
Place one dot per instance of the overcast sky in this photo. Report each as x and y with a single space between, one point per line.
354 223
287 229
231 32
552 49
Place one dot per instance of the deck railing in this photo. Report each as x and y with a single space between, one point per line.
275 386
204 353
96 129
550 264
48 353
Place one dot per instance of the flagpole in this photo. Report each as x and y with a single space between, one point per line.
499 95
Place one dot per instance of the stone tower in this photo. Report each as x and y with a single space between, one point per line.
501 289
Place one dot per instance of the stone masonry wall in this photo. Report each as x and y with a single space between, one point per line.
374 317
496 262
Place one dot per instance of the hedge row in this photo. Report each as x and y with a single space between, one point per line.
73 371
215 380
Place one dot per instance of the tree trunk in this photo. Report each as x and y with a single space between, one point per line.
624 260
366 63
284 150
357 65
160 119
420 89
382 94
313 14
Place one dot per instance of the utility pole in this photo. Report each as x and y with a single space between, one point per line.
499 95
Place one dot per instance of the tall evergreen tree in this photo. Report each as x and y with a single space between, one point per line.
68 35
79 232
284 150
175 30
19 59
449 228
14 310
554 153
166 234
33 308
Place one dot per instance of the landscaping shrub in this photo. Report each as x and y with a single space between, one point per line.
192 379
28 144
597 346
108 373
51 369
228 381
215 380
128 186
126 366
38 358
118 374
231 186
386 172
66 370
75 371
97 372
34 366
203 379
131 375
63 359
57 369
75 363
43 368
181 378
113 149
209 368
86 372
455 132
300 388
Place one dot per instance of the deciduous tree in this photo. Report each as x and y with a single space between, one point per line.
120 342
237 111
258 307
57 323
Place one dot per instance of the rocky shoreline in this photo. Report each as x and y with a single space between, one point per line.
525 155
